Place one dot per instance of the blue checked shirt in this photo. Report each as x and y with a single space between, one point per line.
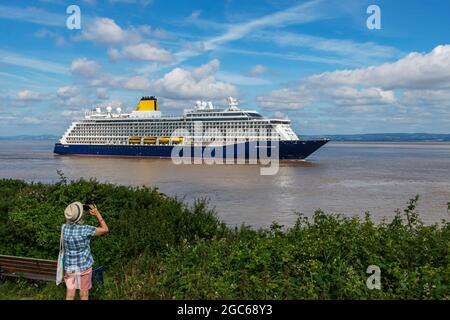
77 247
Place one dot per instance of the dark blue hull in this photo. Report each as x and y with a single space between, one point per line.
287 150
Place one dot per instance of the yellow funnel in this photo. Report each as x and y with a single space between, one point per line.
147 104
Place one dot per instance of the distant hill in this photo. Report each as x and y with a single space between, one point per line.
385 137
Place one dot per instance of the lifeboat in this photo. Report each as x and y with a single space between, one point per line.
177 140
134 140
150 140
164 140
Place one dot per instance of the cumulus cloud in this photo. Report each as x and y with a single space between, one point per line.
84 67
28 95
349 96
137 83
72 96
106 31
142 52
198 83
287 98
67 91
416 78
113 54
181 83
415 71
79 101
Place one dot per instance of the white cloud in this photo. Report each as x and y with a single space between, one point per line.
104 80
198 83
280 115
287 98
67 91
257 70
113 54
181 83
102 93
79 101
349 96
143 52
415 71
84 67
415 79
104 30
137 83
28 95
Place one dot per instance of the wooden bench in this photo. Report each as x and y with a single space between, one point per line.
36 269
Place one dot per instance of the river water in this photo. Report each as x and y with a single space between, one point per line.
342 177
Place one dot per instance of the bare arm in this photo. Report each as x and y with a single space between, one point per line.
103 226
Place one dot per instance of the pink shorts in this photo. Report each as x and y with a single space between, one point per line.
79 280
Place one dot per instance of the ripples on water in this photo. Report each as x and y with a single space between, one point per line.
348 178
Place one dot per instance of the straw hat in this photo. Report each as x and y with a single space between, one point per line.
74 212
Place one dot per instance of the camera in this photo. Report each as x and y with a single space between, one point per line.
86 207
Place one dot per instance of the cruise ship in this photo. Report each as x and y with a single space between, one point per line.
202 131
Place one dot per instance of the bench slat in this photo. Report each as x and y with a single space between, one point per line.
26 260
31 276
8 264
29 264
12 269
29 268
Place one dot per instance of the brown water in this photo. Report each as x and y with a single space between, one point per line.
348 178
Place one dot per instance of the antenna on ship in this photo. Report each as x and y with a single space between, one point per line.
233 104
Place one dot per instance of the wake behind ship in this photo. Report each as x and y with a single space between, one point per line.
204 131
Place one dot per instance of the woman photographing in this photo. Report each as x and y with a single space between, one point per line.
78 259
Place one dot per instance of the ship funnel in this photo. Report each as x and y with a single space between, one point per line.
147 104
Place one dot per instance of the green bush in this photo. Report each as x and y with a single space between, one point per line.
158 248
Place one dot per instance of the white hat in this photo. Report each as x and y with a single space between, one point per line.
74 212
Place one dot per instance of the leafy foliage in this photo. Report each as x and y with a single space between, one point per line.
158 248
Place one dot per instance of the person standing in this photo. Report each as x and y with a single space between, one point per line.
78 258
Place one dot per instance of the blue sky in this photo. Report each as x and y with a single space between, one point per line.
314 62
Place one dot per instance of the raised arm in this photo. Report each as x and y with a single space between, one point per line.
103 226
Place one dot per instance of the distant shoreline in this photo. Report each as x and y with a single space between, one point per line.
369 137
385 137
